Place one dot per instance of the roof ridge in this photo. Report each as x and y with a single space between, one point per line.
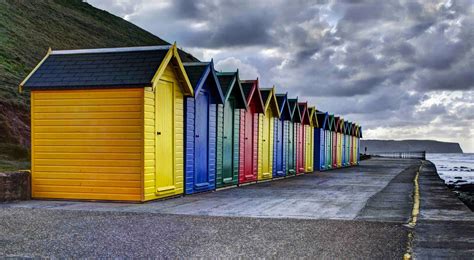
111 50
196 63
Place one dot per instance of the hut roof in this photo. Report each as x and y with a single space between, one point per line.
202 72
252 93
230 85
283 104
107 67
303 108
295 111
322 118
270 101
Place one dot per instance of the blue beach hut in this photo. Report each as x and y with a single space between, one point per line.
281 137
320 140
201 127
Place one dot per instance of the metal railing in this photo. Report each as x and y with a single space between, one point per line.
405 155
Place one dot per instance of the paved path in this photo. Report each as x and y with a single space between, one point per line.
357 212
337 194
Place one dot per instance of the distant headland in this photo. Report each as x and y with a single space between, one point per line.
430 146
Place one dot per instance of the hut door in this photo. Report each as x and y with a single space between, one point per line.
248 144
334 149
327 143
300 134
266 144
201 161
291 147
321 148
228 149
279 145
164 142
309 154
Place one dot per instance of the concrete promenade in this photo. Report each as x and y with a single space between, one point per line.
357 212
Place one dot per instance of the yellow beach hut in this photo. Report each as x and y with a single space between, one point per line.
309 140
266 128
339 131
107 124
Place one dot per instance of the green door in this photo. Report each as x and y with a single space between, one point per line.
228 139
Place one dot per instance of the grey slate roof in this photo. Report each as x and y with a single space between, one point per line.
194 70
280 99
321 117
112 67
225 79
265 93
284 108
247 87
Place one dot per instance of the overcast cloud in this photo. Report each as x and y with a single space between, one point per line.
402 69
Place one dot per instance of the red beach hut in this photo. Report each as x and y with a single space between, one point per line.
248 154
300 135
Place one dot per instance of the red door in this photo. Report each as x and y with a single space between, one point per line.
299 152
248 151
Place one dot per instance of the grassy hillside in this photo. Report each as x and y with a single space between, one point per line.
27 29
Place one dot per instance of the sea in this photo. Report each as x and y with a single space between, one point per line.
454 167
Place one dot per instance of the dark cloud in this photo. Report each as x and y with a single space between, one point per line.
375 61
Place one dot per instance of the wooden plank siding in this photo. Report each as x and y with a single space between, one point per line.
86 144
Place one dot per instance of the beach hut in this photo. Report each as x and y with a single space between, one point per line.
267 133
309 139
249 132
339 142
329 141
353 144
282 140
359 136
107 124
343 143
347 161
293 125
335 142
356 148
319 160
228 129
300 135
201 127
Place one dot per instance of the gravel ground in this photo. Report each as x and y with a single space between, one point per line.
61 233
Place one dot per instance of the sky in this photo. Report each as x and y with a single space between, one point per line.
401 69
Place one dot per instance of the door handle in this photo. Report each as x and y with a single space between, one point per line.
158 133
264 140
197 135
225 137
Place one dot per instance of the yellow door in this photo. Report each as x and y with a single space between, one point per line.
309 148
164 142
267 149
163 134
339 150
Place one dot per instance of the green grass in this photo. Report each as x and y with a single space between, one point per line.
28 29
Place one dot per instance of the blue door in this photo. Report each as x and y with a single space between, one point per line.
316 151
201 141
322 150
279 148
343 139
